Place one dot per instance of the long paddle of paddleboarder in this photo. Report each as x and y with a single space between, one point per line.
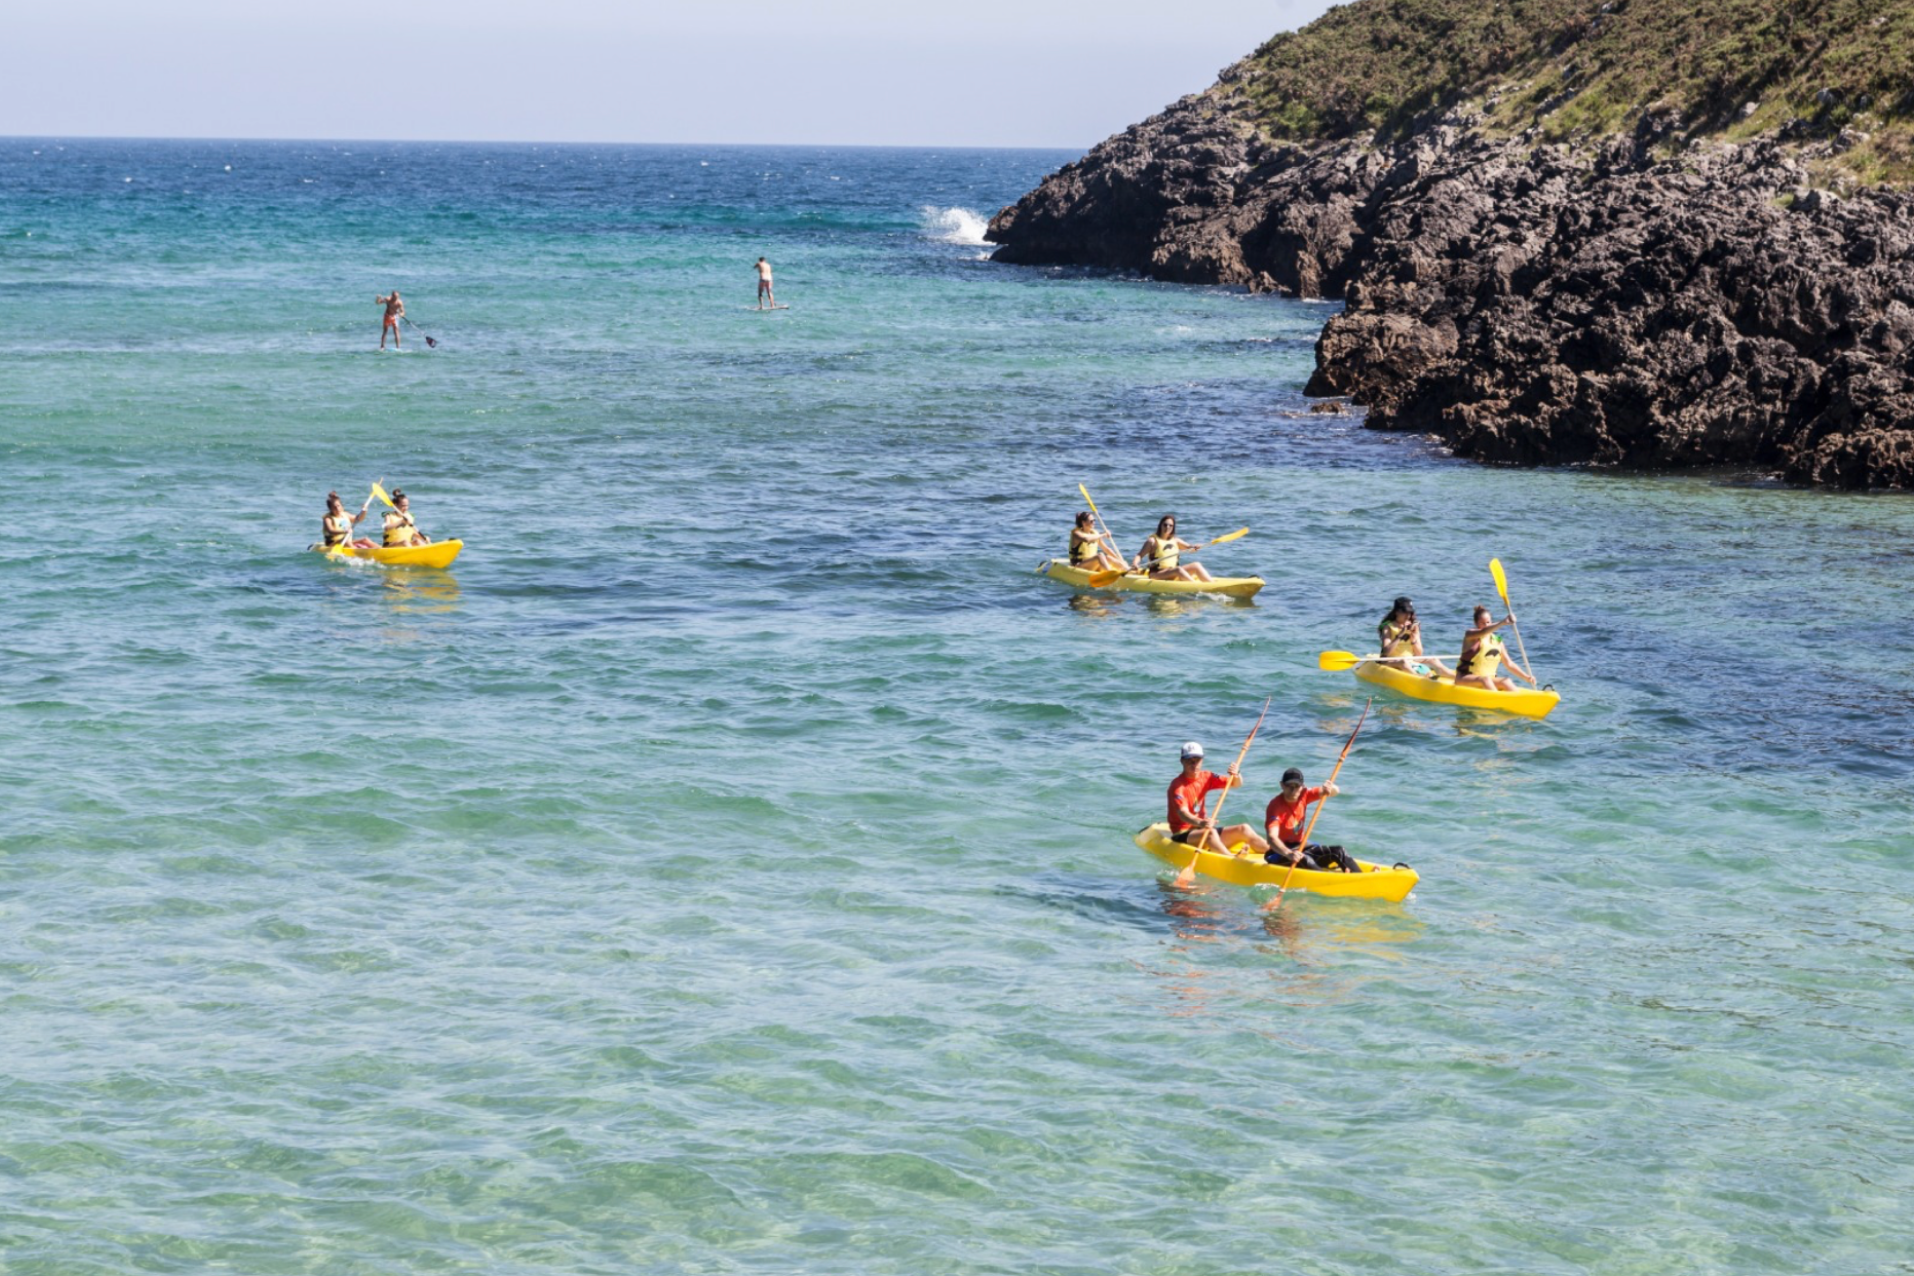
1187 876
1315 815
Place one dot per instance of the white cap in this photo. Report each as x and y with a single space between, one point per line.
1191 749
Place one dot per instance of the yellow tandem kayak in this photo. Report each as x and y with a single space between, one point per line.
1526 701
437 554
1137 583
1376 881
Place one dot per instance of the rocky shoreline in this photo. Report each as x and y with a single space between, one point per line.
1602 303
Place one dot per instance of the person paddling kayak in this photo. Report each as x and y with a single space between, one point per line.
1189 807
335 529
399 528
1483 651
1400 641
1284 819
1161 555
394 311
1093 550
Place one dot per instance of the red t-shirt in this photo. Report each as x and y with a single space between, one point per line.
1194 794
1288 816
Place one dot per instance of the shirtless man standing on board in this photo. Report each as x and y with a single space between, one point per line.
394 311
764 286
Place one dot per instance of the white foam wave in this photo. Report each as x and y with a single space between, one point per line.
954 225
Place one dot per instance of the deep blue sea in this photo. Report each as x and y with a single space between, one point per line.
725 866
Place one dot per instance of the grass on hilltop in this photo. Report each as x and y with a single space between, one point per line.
1586 68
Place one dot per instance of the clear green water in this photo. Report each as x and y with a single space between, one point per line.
726 867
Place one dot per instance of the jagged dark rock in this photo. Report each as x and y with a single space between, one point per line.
1602 302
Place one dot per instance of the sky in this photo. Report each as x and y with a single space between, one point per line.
1063 73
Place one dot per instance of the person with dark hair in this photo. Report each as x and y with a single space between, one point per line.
335 529
399 528
1483 650
1161 555
1284 820
1093 550
1400 641
394 311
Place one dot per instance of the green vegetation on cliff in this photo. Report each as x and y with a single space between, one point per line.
1582 68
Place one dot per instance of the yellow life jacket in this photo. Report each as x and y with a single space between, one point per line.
401 532
1394 636
1165 555
1485 659
1083 550
337 529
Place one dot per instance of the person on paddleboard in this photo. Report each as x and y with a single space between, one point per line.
1400 641
1093 550
400 530
765 297
1189 807
1161 555
336 528
1284 820
1483 651
394 311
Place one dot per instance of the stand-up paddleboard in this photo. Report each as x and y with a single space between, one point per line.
768 308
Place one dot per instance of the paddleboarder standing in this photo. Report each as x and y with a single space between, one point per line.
394 311
765 298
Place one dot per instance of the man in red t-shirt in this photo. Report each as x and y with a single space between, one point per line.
1189 808
1284 820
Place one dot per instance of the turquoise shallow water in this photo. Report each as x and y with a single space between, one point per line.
726 866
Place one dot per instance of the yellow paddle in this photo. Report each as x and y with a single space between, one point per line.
1098 515
1337 661
380 493
1188 874
1099 579
1316 814
1502 588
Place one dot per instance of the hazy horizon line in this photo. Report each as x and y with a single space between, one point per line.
482 141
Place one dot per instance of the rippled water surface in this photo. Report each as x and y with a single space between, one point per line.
725 867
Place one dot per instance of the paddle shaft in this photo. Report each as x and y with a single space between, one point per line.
1226 536
1097 514
1315 815
1209 823
1502 587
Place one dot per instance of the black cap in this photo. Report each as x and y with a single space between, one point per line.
1294 773
1404 604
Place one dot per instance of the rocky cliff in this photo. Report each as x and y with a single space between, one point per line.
1712 271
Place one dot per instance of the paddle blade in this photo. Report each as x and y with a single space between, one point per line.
1103 579
1236 535
380 493
1501 581
1086 498
1186 877
1337 661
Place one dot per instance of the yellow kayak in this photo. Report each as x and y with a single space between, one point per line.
437 554
1376 881
1137 583
1526 701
